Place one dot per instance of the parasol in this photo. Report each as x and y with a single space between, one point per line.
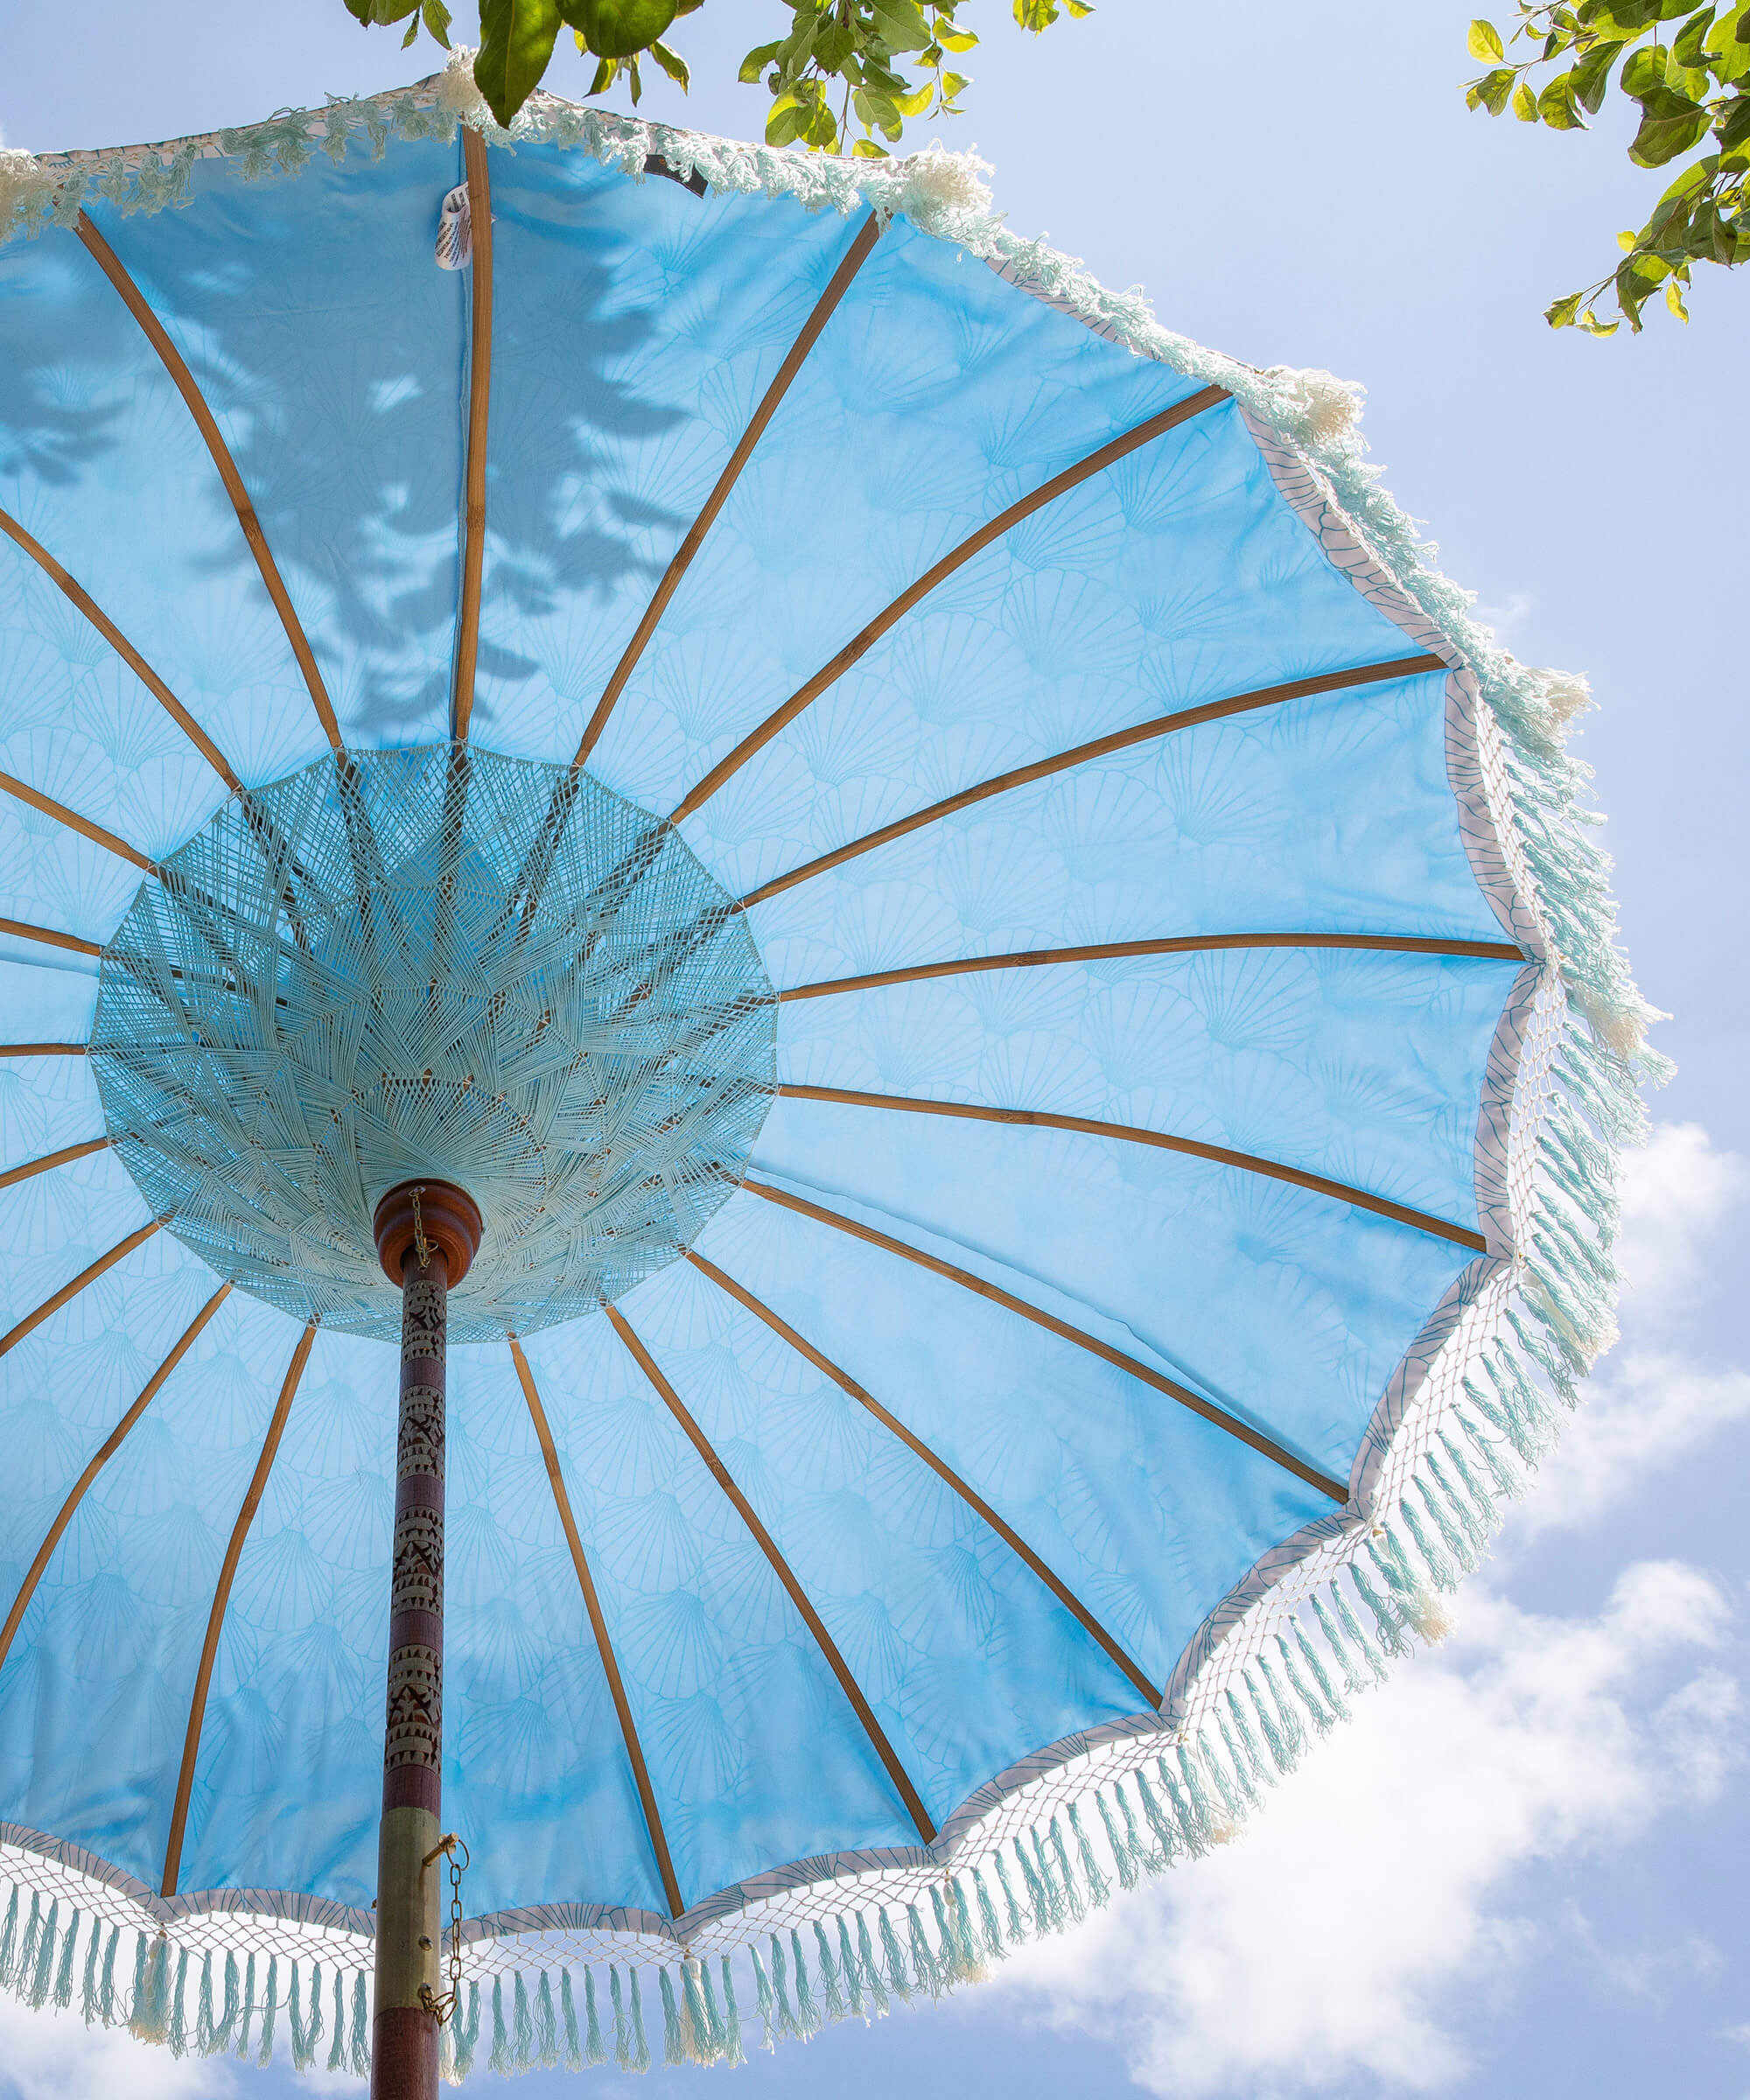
957 1017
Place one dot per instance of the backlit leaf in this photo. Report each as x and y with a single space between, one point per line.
673 64
516 41
619 28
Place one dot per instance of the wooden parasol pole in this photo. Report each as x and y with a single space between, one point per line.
427 1235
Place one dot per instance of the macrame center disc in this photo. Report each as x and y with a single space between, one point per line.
435 961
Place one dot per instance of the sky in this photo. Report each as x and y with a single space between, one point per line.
1517 1870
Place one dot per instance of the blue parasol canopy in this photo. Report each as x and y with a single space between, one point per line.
1016 984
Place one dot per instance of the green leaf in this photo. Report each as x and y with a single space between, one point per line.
1484 41
1674 299
1636 280
1524 104
954 39
1491 92
1556 105
438 22
783 123
881 77
516 41
1564 313
1691 41
834 45
1591 75
619 28
1692 179
673 64
1670 123
1728 49
915 105
865 149
1078 11
900 25
1624 18
1645 71
755 63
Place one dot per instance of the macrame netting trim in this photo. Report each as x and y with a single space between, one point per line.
460 964
1467 1415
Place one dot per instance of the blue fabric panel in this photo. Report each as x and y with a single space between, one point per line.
1176 578
537 1758
55 1224
52 876
935 398
1323 816
1362 1067
753 1754
36 954
81 727
297 1678
331 349
40 1003
1144 1509
95 1698
46 1104
636 329
100 460
924 1601
1289 1309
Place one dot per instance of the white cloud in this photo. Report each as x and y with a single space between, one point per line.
1646 1972
54 2055
1678 1190
1331 1940
1505 619
1641 1412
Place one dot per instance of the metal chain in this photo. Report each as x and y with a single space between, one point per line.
455 1867
445 2007
422 1245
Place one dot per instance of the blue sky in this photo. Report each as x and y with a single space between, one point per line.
1515 1871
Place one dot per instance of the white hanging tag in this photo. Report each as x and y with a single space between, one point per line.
455 230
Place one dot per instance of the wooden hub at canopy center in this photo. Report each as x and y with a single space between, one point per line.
447 1215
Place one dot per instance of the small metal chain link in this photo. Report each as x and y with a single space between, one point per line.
422 1245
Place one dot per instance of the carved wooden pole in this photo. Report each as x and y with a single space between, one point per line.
427 1235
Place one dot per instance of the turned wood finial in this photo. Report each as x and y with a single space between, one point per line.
447 1216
